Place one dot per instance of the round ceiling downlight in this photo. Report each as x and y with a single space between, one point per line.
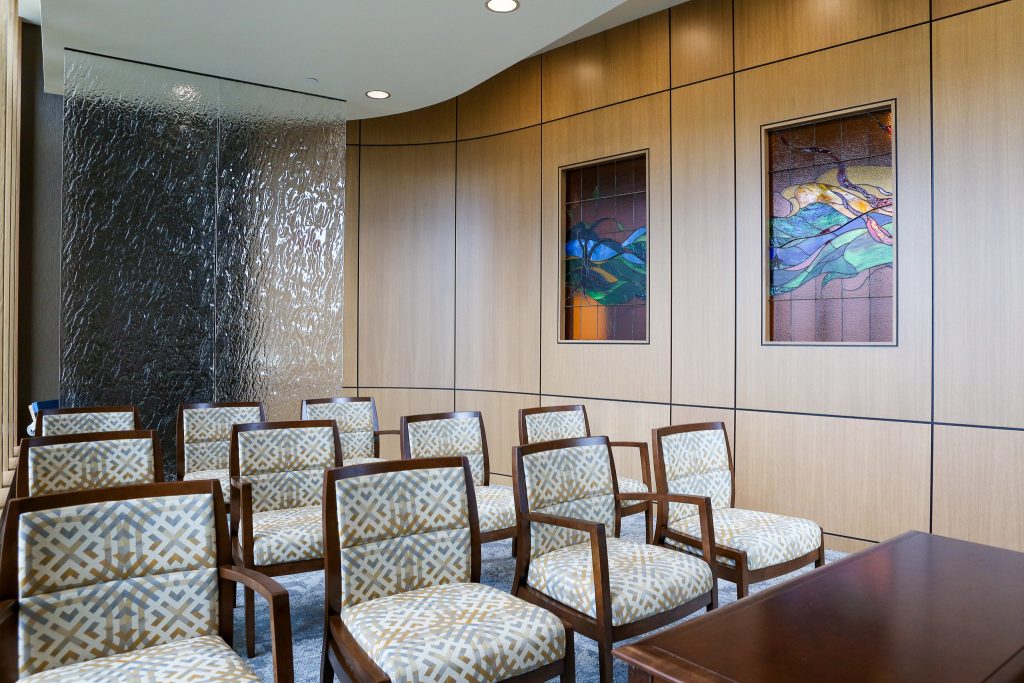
378 94
502 6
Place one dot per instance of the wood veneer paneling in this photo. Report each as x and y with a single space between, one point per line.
352 132
682 415
701 40
430 124
351 310
501 419
407 266
392 404
943 8
846 545
979 144
502 103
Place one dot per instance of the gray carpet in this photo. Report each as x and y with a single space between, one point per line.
306 593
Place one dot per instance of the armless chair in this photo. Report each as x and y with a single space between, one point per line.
750 546
404 602
132 583
80 462
607 588
60 421
462 434
277 474
550 423
358 428
204 438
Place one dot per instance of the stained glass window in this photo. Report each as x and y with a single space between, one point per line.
604 251
832 230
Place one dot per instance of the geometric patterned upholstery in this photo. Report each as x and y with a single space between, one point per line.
455 436
495 507
292 535
83 423
696 463
355 420
555 424
207 434
79 465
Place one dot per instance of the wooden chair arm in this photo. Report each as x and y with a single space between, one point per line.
566 522
643 452
703 503
382 432
241 511
280 617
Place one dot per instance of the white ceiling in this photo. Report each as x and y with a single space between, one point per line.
421 52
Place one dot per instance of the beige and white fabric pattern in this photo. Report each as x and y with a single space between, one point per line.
697 463
285 466
457 436
495 507
355 427
81 465
627 485
207 435
85 423
456 632
555 424
291 535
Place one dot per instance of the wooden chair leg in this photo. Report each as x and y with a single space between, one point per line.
820 562
326 668
250 623
569 673
741 586
618 521
605 664
649 522
515 546
714 594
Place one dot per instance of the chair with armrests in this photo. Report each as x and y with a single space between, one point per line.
358 428
204 438
404 601
277 472
79 462
549 423
60 421
132 583
751 546
462 434
608 588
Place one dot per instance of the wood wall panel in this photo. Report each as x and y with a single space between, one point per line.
845 545
628 61
701 40
682 415
407 266
498 265
430 124
943 8
879 381
602 370
703 239
352 132
351 311
392 404
979 143
776 29
502 103
863 478
978 477
501 420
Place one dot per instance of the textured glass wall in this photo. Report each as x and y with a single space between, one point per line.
203 242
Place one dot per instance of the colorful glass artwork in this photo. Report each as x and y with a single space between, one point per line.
832 230
605 251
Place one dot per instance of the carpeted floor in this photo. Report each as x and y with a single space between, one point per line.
306 593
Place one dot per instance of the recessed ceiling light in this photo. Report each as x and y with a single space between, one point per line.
378 94
502 6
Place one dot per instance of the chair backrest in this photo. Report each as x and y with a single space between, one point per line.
284 461
60 421
568 478
397 526
550 423
99 573
78 462
442 435
356 418
204 433
693 459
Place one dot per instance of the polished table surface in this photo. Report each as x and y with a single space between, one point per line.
916 608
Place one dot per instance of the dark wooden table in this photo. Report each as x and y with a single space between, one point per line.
917 608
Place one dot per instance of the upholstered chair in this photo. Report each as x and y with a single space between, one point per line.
204 438
132 583
608 588
462 434
403 592
751 546
61 421
79 462
358 428
549 423
277 472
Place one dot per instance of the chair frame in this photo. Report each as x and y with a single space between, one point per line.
229 574
341 654
599 628
497 534
642 507
180 425
241 511
21 475
92 409
739 573
377 431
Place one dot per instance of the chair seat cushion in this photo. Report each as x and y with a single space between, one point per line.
223 476
644 579
767 538
207 659
631 486
356 460
456 632
495 507
289 535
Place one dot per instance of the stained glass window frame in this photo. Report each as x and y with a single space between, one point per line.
766 216
563 172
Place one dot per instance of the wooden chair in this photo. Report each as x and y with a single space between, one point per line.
550 423
60 421
607 588
127 583
277 471
404 600
751 546
204 438
358 428
79 462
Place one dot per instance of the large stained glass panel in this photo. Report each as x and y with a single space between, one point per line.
832 230
604 253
